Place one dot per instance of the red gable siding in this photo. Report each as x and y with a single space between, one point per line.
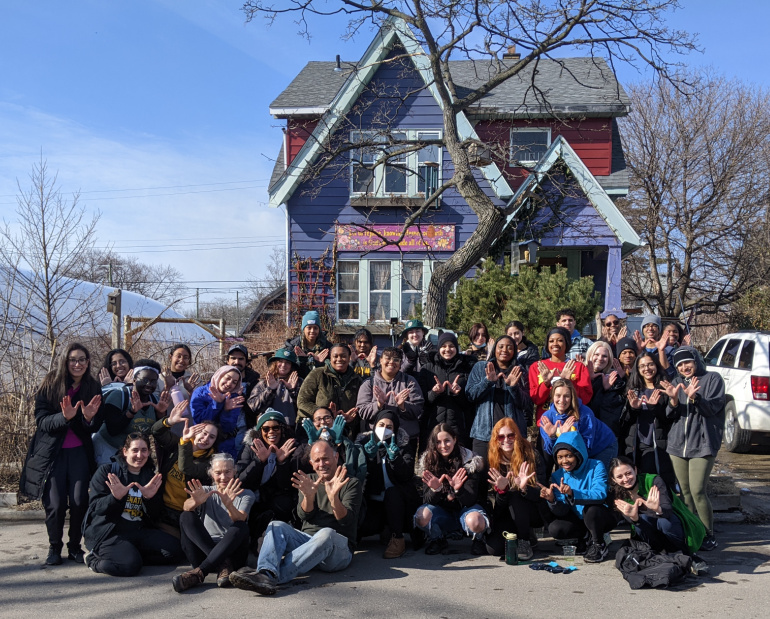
297 133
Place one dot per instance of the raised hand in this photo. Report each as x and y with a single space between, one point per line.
151 488
136 402
514 376
439 386
661 344
402 396
639 341
190 432
371 359
350 415
163 402
392 448
580 359
633 399
618 367
654 397
546 374
302 482
285 450
629 510
129 377
672 391
299 352
623 332
117 489
549 428
177 413
312 433
430 480
565 425
336 483
192 382
338 428
547 493
692 388
455 388
653 499
67 409
216 394
167 377
272 381
232 403
320 357
232 491
89 410
563 488
490 373
260 449
104 377
522 479
568 370
499 481
293 380
610 379
379 396
687 340
371 446
458 479
197 493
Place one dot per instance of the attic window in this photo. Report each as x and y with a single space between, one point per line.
528 145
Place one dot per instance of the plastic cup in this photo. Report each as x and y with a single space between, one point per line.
569 554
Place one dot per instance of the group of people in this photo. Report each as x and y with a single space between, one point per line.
257 479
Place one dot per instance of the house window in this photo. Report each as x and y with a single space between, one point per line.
347 290
379 290
528 144
379 170
411 289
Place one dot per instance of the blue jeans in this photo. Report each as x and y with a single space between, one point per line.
443 523
287 552
661 533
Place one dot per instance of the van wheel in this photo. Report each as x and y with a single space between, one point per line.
736 439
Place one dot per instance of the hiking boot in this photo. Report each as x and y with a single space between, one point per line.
436 546
709 542
54 556
223 578
478 547
77 555
396 547
259 582
596 553
188 580
524 549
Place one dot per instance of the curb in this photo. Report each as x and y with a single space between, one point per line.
15 515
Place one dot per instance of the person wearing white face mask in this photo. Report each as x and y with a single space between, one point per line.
390 496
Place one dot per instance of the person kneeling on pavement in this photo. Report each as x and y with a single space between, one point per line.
214 526
576 497
329 502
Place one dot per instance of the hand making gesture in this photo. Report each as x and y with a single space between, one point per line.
89 410
568 370
545 373
522 479
514 376
498 480
117 489
260 449
301 481
67 409
151 488
336 483
285 450
197 493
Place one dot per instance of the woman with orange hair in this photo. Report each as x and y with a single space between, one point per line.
515 469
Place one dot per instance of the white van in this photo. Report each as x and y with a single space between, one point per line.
743 360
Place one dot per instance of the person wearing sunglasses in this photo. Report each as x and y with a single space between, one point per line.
60 459
613 329
515 469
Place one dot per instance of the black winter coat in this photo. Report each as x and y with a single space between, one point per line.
52 427
250 470
400 469
444 407
608 404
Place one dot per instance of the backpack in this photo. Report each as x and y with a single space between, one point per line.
641 566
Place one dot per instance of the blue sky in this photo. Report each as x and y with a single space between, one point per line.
157 111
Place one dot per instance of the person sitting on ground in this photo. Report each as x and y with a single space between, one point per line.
265 467
329 426
391 497
627 352
442 380
697 410
130 409
279 388
214 529
181 460
60 459
220 400
364 358
329 502
125 503
543 373
577 344
495 388
568 414
334 386
576 497
311 345
657 517
607 384
238 357
526 351
415 345
515 469
453 484
392 389
481 343
116 369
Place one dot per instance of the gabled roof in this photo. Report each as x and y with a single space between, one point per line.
560 150
277 293
393 31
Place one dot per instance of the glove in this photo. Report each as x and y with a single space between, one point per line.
392 449
312 433
370 448
338 429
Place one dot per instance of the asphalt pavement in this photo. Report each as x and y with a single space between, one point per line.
445 586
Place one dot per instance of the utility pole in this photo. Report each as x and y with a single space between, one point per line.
237 313
197 303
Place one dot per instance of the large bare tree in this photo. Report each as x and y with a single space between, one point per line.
628 31
700 183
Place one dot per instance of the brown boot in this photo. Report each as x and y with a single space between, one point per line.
396 547
188 580
223 578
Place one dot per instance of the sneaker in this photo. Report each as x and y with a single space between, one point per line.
699 567
533 541
78 556
249 580
223 578
436 546
524 549
478 547
188 580
396 547
709 542
54 556
596 553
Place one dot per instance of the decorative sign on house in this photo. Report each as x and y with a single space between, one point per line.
417 238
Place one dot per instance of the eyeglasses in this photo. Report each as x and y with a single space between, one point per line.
325 419
502 438
78 360
612 323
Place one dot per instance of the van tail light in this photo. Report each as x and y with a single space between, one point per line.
760 386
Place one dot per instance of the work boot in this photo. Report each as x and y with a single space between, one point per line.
54 555
259 582
223 578
188 580
396 547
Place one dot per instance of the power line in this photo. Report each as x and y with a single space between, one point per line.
257 180
164 251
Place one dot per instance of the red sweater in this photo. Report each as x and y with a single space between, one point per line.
541 392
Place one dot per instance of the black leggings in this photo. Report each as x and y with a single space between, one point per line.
67 486
519 516
597 519
130 546
400 503
203 552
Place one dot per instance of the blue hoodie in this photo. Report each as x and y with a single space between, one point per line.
588 481
596 434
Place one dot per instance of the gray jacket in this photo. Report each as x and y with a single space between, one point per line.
698 425
413 407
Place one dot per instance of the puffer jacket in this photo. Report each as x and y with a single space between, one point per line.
446 407
697 425
250 470
471 492
588 481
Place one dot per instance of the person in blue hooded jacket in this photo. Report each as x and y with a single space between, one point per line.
220 400
568 413
577 496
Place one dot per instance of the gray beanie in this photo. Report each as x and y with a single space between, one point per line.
652 319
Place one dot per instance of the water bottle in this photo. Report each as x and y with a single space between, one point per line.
511 548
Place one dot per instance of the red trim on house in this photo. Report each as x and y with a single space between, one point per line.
297 133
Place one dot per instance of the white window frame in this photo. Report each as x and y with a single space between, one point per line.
513 160
396 273
339 279
412 163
